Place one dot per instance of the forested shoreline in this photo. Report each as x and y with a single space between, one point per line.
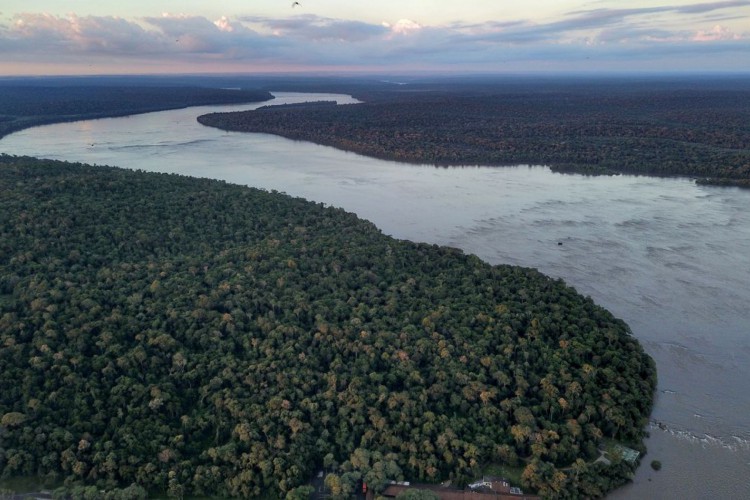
189 336
663 127
23 105
684 129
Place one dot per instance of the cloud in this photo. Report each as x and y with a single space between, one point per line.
716 33
403 27
73 34
599 19
603 26
614 15
170 36
700 8
224 24
199 35
614 36
315 28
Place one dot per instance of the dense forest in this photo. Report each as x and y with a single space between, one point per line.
680 126
23 105
690 128
188 336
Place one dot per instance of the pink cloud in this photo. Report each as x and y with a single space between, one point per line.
715 34
42 32
403 27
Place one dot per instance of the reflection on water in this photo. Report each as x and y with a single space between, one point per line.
669 257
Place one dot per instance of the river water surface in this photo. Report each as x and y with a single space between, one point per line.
669 257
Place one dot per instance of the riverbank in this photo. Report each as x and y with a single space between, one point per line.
661 128
34 495
397 324
664 129
27 488
666 255
24 106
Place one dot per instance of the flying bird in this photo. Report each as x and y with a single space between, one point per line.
296 4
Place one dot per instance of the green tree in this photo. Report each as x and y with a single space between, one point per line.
417 494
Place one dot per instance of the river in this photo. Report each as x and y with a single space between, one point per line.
669 257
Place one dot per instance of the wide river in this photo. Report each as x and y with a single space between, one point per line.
669 257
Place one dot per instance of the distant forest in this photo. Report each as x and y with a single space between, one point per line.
186 336
685 127
24 105
679 126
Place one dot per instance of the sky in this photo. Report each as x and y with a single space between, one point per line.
54 37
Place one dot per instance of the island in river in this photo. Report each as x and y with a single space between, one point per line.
677 126
663 126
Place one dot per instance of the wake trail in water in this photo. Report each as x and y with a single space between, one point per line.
732 443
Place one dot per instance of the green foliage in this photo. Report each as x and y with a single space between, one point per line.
656 464
695 128
12 419
416 494
192 337
300 493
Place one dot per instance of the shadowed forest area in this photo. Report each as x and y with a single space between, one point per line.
188 336
23 105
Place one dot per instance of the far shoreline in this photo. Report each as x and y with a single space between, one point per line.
416 152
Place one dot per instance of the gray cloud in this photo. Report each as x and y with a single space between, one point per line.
700 8
311 27
603 18
45 33
627 23
198 35
611 36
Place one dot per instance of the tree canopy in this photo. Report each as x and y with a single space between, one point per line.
186 335
689 128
